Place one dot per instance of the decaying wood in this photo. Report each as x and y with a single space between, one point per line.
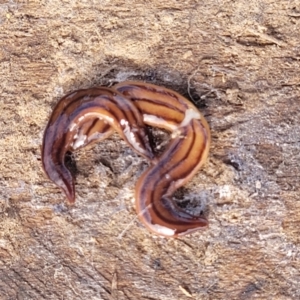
239 61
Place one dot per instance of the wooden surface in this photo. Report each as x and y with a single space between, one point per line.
240 61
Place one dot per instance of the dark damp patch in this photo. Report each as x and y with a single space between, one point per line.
71 163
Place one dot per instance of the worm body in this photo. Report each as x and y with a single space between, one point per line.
180 161
183 157
85 116
159 106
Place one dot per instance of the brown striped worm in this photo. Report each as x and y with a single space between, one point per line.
88 115
82 117
183 157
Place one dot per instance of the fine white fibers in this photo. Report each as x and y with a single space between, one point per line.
190 114
80 140
163 230
177 133
81 118
131 136
72 126
154 120
108 119
99 116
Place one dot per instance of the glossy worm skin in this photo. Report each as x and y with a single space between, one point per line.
183 157
82 117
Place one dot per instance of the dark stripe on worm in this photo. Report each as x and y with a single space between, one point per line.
131 88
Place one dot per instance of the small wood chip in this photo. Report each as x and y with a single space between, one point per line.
186 292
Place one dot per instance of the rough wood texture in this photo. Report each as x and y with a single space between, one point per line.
239 60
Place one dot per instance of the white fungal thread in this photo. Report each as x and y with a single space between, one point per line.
72 126
190 114
80 140
157 121
131 136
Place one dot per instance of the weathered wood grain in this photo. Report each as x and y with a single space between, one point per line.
239 61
